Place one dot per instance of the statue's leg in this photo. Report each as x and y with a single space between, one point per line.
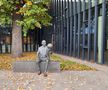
39 65
46 62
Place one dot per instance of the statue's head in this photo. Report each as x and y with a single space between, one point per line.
43 43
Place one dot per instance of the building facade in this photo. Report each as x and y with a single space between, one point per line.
81 29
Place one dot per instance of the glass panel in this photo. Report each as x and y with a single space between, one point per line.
81 5
100 1
93 3
86 3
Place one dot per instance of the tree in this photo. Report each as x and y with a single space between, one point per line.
23 15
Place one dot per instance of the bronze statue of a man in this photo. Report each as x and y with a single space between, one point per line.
43 56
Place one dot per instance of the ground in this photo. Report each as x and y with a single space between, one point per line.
65 80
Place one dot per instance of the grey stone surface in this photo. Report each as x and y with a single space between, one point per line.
65 80
32 66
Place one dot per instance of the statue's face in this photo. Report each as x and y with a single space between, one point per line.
43 43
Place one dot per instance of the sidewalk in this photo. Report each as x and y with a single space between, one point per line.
65 80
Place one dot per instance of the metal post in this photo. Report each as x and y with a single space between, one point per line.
103 30
96 30
54 25
83 44
61 38
74 41
89 29
67 7
63 27
60 26
79 26
57 26
71 26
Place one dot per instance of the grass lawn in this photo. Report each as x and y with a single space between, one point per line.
6 62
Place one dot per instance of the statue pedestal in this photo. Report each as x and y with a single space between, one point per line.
31 66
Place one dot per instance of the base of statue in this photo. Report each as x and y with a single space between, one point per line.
32 66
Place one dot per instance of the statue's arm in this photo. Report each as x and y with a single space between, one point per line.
38 54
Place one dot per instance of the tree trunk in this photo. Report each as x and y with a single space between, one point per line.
16 37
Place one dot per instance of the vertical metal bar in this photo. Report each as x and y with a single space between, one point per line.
60 10
57 25
89 30
74 41
61 17
37 37
103 30
5 45
96 30
55 47
71 26
79 26
67 30
11 40
61 26
35 43
64 27
67 6
25 43
30 43
53 14
83 32
58 22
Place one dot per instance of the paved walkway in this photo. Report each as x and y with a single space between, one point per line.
67 80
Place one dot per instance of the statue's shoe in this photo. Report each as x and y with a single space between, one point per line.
45 75
39 73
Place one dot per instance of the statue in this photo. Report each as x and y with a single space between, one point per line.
44 56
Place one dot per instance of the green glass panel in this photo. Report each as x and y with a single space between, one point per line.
93 3
99 38
81 5
100 1
86 4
